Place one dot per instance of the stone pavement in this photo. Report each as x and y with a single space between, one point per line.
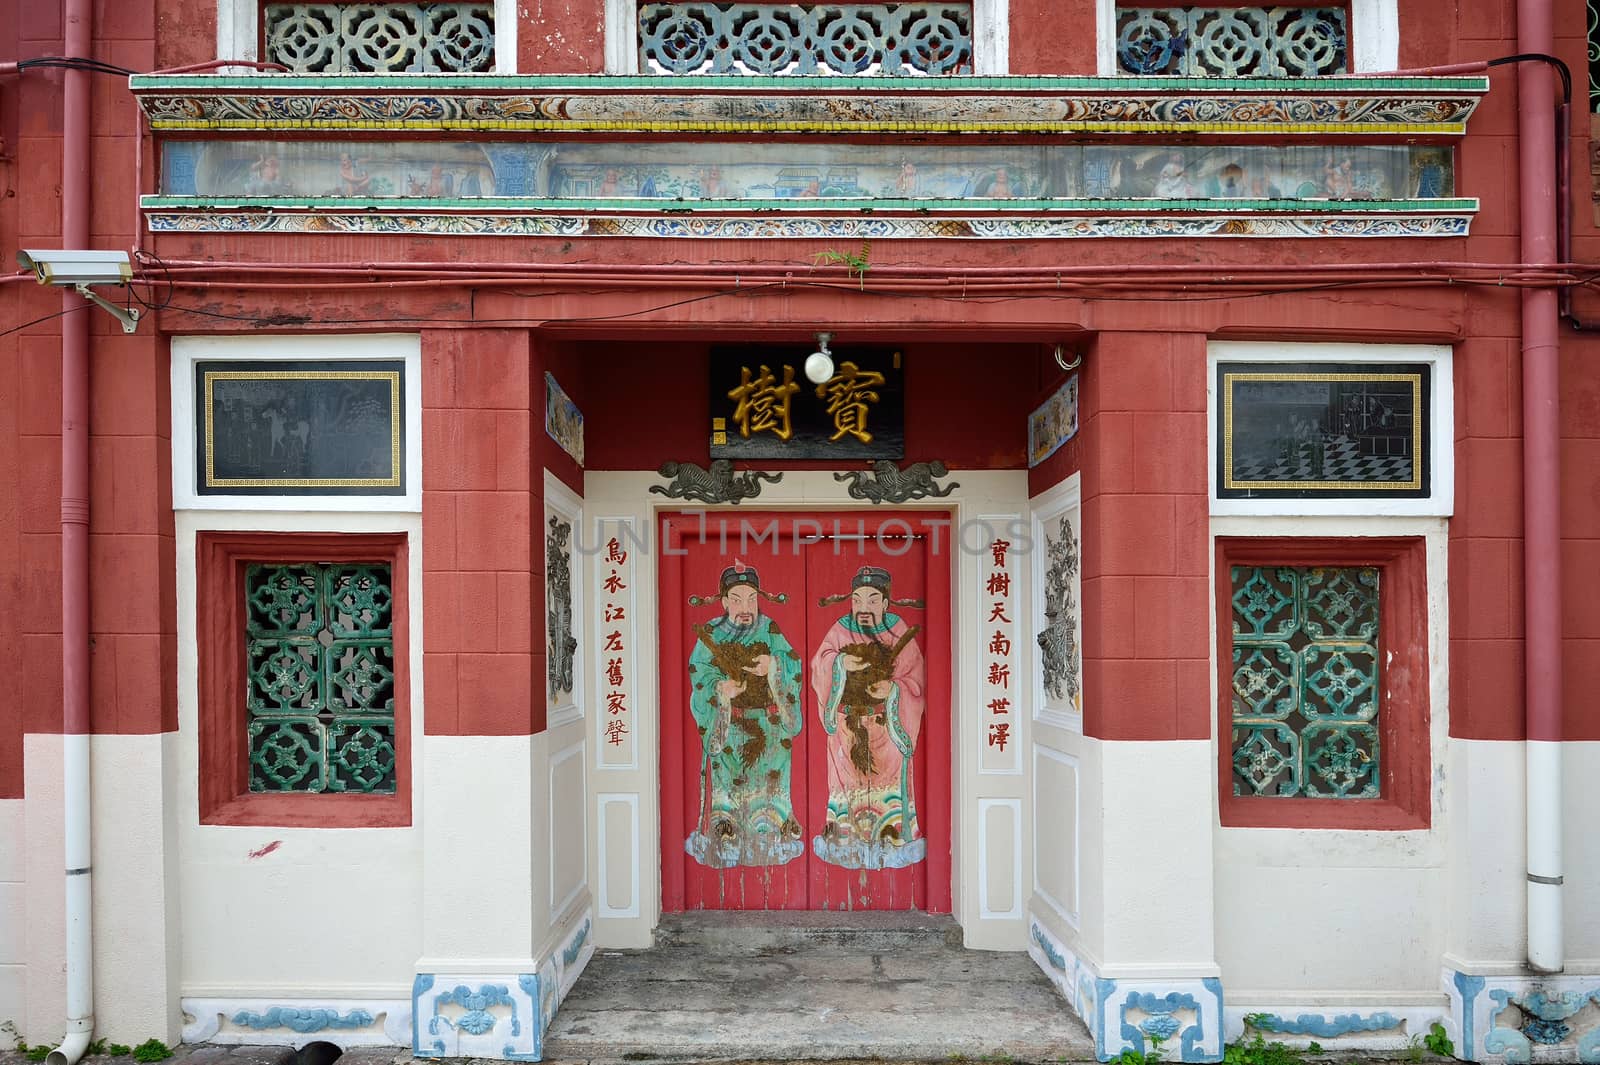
810 986
764 989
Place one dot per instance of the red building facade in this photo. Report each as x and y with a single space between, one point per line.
1299 330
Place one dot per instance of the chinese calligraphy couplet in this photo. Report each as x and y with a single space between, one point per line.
1000 670
616 661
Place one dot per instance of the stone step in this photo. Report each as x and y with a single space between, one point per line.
760 930
830 1000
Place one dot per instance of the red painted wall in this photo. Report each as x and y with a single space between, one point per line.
481 555
966 404
1139 447
132 610
1146 640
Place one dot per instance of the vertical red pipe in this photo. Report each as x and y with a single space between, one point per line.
75 739
75 387
1541 479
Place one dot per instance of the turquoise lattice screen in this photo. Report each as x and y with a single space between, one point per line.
1305 681
1233 41
320 677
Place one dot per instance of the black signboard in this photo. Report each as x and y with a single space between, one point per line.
300 428
764 407
1310 430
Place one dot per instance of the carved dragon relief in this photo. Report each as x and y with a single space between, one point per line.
717 483
887 483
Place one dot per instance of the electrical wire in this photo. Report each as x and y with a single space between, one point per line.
753 290
60 62
46 318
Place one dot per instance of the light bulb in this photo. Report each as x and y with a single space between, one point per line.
819 367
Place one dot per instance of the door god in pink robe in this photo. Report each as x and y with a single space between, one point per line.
869 679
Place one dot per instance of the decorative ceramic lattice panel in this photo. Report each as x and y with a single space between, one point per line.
320 681
1305 681
1267 42
380 38
856 39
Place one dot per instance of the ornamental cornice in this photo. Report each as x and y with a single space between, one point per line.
1335 106
1388 223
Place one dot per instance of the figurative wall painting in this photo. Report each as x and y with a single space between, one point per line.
561 646
1318 429
300 428
1059 655
744 680
767 170
868 675
562 419
1053 422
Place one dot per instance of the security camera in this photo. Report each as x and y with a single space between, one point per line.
80 270
78 267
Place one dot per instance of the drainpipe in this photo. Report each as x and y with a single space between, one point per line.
1541 492
75 550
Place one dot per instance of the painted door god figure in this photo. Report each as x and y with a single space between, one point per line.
745 697
868 676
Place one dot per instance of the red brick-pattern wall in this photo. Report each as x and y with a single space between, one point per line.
1146 529
485 450
133 609
480 547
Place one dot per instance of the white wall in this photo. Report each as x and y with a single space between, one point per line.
1488 908
1301 913
135 899
13 915
306 912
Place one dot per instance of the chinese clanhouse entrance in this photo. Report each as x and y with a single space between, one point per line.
805 702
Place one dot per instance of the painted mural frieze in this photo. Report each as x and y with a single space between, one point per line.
758 174
887 483
744 682
868 676
714 484
563 645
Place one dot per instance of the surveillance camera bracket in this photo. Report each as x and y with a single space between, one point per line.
128 316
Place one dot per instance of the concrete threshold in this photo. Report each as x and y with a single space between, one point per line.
813 987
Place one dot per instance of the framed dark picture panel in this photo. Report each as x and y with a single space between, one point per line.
334 427
1323 430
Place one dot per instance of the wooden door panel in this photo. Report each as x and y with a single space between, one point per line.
805 714
732 712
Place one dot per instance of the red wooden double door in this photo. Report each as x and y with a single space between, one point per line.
805 711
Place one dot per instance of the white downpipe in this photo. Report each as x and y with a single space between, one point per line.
1545 951
80 932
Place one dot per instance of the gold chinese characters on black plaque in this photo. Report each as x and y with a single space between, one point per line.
764 407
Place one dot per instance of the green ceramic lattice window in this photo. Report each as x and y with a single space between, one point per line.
1305 681
320 677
